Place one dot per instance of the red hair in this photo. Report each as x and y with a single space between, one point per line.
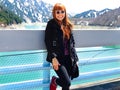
67 25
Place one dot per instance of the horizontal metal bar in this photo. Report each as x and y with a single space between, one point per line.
24 85
99 73
23 68
4 54
90 61
93 49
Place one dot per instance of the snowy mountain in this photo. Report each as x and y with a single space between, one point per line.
40 11
29 10
91 13
111 18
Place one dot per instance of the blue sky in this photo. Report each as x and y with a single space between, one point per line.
76 6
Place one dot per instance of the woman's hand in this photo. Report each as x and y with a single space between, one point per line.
55 63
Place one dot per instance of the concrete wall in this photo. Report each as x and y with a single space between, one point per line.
17 40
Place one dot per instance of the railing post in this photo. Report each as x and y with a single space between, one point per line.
46 75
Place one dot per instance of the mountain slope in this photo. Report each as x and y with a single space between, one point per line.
111 18
91 13
7 17
29 10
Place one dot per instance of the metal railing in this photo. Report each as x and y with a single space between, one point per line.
45 66
25 40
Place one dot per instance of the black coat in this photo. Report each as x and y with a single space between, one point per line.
55 46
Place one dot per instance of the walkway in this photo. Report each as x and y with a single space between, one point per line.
112 85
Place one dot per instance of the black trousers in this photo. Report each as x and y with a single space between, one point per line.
64 73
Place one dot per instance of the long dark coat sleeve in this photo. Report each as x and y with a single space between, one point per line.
51 41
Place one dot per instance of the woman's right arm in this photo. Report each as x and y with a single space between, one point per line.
50 45
50 41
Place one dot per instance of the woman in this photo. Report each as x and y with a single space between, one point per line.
61 49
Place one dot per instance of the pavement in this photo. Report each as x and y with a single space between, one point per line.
113 84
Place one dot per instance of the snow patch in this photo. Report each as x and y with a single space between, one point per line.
11 1
26 3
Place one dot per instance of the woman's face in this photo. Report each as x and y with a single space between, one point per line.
60 14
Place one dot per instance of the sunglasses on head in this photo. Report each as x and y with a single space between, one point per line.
60 12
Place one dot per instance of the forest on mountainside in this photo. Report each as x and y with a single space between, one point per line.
7 17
